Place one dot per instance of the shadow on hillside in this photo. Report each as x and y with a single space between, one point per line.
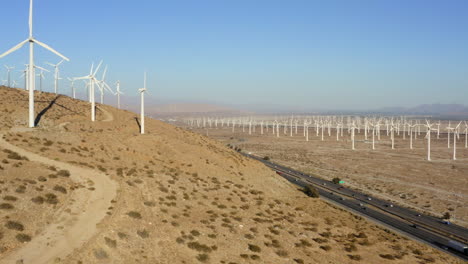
39 116
52 103
138 123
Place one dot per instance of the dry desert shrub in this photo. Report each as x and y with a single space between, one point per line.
10 198
6 206
110 242
199 247
143 233
254 248
61 189
23 238
13 225
203 257
387 256
355 257
134 215
63 173
38 200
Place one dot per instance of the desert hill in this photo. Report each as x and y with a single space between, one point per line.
170 196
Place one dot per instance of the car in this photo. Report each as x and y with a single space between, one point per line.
413 225
418 215
324 184
368 198
361 204
342 199
446 222
391 205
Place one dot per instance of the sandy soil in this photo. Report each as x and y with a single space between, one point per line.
185 198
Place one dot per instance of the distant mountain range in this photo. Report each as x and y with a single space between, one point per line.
161 108
436 110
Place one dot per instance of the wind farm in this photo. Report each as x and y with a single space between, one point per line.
223 133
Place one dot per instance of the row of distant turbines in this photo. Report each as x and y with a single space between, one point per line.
371 127
29 74
103 85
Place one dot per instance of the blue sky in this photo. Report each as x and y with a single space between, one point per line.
303 53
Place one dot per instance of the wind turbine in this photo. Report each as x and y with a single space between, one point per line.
72 86
41 76
118 93
31 78
455 132
56 74
92 80
142 111
9 74
428 136
466 134
14 84
101 86
25 75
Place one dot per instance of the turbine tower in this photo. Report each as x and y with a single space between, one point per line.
9 74
56 74
142 111
118 93
72 86
31 78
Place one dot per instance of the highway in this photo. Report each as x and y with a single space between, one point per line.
423 227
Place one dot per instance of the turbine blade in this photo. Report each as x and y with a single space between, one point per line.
97 68
81 78
50 49
104 74
14 48
108 88
30 18
40 68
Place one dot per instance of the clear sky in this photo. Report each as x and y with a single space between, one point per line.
325 54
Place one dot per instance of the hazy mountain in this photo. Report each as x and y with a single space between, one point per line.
437 110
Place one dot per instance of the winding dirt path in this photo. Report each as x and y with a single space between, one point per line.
75 223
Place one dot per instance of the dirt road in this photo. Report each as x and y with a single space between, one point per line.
75 223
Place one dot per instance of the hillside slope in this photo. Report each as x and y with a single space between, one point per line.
181 197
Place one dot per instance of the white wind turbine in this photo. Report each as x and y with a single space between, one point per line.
56 74
72 87
14 84
142 110
466 134
428 136
101 84
9 74
118 93
31 78
455 132
353 128
25 75
41 76
92 80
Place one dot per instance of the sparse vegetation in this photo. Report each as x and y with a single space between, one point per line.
23 238
311 191
336 180
134 215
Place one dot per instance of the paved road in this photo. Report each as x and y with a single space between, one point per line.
424 227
